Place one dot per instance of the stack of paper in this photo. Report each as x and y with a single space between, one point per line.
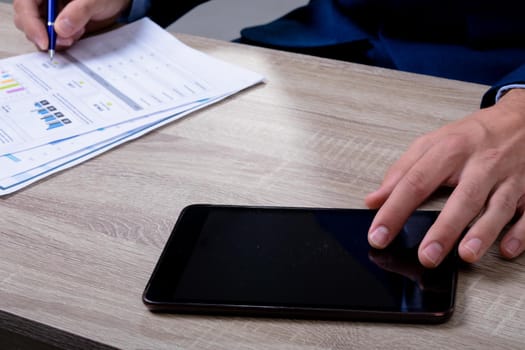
106 90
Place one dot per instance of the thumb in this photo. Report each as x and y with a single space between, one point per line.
75 15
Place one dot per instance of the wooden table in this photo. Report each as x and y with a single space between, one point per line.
78 248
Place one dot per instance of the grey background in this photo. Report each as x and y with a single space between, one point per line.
223 19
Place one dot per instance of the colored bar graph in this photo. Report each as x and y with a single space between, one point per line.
54 125
49 115
15 90
8 84
48 118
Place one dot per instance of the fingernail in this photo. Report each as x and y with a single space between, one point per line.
512 246
474 246
433 252
379 237
40 42
65 27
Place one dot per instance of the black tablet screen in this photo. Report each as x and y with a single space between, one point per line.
298 258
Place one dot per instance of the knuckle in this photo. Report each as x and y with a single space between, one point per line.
448 232
416 181
471 190
472 196
492 154
491 159
506 202
455 146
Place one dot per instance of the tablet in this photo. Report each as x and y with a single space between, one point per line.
298 262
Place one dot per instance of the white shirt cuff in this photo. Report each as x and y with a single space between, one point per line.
506 88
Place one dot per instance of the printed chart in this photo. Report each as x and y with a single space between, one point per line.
103 92
9 86
50 115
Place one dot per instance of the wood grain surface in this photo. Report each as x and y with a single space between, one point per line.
77 249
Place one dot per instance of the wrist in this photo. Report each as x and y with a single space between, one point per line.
516 95
513 91
513 101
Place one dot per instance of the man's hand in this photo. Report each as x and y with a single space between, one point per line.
483 157
76 17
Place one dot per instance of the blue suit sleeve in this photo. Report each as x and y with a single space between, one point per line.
516 77
138 9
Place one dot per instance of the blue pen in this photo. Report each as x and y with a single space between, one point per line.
51 13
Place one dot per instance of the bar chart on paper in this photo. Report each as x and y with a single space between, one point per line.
9 86
103 92
49 115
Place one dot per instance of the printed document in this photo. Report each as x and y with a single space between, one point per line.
106 90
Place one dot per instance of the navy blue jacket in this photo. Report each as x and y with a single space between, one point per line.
478 41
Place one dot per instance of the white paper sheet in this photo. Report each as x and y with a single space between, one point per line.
105 91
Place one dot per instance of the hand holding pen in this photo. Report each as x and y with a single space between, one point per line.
74 18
